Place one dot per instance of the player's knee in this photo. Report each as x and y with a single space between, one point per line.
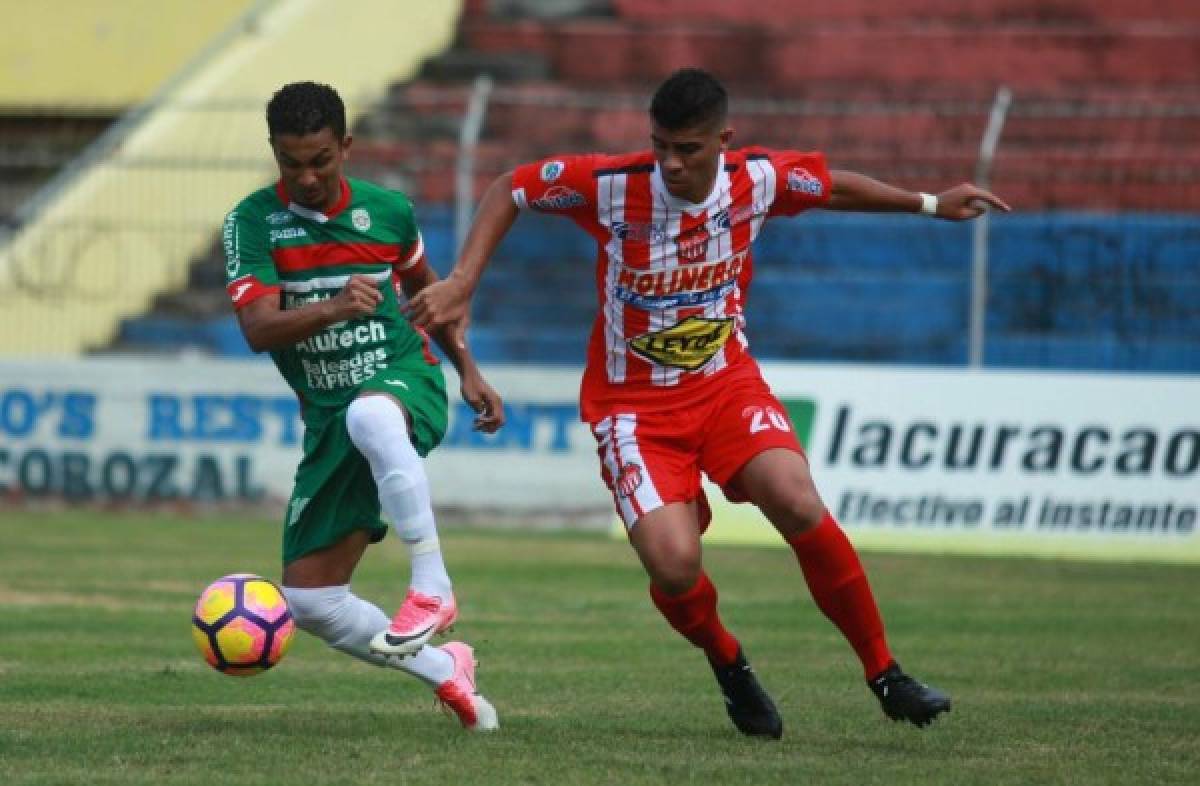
372 421
801 509
677 576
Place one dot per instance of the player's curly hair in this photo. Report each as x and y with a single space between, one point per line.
305 108
689 98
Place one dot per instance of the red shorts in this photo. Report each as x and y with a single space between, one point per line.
651 458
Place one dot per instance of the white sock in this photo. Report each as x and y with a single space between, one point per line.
346 622
378 429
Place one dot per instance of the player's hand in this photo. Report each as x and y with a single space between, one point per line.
967 201
439 304
359 298
484 400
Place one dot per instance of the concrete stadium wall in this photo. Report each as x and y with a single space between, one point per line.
89 54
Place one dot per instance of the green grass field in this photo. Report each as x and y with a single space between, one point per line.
1061 672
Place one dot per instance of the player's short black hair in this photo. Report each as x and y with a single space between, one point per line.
689 98
305 108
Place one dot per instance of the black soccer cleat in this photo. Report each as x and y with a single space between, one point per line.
904 698
748 705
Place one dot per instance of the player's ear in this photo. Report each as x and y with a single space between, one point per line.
726 137
345 146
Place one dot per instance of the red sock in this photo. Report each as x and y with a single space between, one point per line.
694 615
839 586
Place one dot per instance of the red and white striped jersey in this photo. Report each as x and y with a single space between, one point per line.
672 275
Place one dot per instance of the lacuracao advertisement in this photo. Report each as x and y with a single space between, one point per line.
1088 465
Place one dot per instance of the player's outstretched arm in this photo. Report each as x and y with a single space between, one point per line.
479 395
266 326
447 302
858 192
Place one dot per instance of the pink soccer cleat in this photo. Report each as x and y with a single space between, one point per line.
420 616
458 693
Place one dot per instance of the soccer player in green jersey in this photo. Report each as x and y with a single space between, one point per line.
313 265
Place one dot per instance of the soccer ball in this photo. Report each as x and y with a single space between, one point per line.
242 625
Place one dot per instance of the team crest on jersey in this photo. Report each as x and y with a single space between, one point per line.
552 170
693 247
360 218
559 198
629 479
800 179
279 217
688 345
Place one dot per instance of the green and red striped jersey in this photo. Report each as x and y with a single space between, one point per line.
274 245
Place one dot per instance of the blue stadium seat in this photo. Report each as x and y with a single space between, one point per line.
1066 290
1099 353
225 337
163 332
219 336
486 343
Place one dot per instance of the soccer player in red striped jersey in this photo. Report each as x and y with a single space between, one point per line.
670 389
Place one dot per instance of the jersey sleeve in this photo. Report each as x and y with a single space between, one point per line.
802 181
249 270
412 246
562 185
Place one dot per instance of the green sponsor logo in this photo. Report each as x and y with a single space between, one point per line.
802 412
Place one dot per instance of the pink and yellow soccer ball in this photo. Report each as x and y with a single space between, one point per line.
242 625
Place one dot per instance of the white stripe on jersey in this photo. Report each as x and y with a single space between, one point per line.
330 282
309 213
618 447
610 208
666 255
414 256
721 247
762 174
